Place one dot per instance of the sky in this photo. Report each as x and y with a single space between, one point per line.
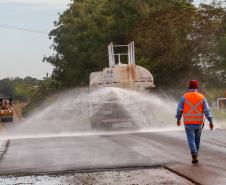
21 52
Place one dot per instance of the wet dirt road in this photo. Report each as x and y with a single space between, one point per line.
111 150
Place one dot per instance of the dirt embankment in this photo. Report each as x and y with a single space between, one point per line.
17 110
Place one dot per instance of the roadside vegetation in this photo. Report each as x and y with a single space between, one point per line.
174 40
218 115
46 93
19 89
29 91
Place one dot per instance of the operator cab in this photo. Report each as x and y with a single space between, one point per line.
5 103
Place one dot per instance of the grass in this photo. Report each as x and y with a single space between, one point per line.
218 115
19 108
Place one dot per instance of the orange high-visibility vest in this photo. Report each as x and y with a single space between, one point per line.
193 108
6 107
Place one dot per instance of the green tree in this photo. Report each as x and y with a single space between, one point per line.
21 93
48 88
32 81
5 87
17 88
85 29
179 43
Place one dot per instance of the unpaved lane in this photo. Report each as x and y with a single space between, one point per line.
15 114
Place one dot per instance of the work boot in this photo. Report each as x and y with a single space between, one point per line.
195 159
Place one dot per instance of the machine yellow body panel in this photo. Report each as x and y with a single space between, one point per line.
6 110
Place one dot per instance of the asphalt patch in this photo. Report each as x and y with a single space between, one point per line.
146 176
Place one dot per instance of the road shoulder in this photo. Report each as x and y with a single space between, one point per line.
3 140
16 108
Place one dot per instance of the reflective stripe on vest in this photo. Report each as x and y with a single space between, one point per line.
194 114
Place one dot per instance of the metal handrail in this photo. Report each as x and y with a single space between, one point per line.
131 54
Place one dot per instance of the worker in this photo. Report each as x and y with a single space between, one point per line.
192 105
6 106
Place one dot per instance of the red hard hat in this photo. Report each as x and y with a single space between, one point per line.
193 84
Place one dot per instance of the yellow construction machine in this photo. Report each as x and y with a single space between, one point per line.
6 110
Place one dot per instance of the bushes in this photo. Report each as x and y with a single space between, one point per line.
17 88
48 88
212 94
